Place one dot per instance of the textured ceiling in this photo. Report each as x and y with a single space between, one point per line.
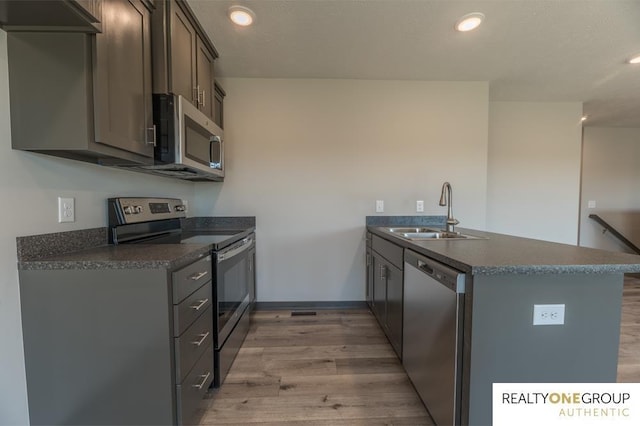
528 50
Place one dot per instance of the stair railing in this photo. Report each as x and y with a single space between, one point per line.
614 232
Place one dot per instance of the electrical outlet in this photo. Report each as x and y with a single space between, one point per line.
379 206
419 206
591 204
548 314
66 210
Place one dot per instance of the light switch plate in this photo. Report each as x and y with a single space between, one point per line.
379 206
419 206
591 204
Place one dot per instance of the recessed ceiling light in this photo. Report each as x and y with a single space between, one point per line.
469 22
241 15
584 118
635 60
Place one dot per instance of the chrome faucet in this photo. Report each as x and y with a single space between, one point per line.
445 200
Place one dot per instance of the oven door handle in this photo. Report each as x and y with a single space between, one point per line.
246 244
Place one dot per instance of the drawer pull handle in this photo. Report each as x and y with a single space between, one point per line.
203 338
205 377
196 277
202 303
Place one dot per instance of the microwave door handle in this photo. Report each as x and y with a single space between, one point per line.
218 165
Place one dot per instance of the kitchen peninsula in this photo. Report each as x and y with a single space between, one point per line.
496 339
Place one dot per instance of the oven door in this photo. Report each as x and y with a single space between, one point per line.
232 286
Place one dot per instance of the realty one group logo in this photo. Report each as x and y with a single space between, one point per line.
551 404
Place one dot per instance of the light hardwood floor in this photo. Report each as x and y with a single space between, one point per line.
334 368
629 353
337 368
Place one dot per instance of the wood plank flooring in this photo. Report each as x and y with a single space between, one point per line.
337 368
629 352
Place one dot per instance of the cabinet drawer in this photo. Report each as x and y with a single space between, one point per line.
188 279
388 250
190 393
191 308
193 343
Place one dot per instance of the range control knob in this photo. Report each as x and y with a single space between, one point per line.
128 210
180 208
138 209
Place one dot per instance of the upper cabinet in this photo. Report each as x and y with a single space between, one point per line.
86 96
122 78
219 105
183 56
51 15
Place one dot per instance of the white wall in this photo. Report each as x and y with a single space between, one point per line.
309 158
30 186
534 169
611 178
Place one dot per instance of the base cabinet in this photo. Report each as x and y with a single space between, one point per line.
387 285
369 272
251 277
117 346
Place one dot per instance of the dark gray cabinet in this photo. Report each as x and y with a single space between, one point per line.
183 56
252 276
395 288
51 15
387 283
122 78
369 271
379 297
218 109
85 96
117 346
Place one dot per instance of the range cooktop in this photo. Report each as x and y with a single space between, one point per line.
157 221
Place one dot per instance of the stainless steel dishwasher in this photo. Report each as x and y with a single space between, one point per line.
432 334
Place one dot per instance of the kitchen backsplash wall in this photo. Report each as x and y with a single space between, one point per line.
31 184
309 158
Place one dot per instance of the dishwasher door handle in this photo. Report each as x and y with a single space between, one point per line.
444 274
424 267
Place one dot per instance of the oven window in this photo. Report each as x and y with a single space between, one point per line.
231 287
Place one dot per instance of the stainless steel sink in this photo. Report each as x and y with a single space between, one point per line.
411 229
429 234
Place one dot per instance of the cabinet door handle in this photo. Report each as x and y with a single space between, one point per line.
196 277
151 131
203 98
202 303
205 377
383 272
201 341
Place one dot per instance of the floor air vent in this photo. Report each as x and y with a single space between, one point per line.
302 313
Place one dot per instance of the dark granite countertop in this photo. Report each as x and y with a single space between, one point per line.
503 254
133 256
88 249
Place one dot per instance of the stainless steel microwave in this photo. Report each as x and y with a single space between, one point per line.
188 144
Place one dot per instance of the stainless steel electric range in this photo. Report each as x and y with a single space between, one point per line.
158 221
